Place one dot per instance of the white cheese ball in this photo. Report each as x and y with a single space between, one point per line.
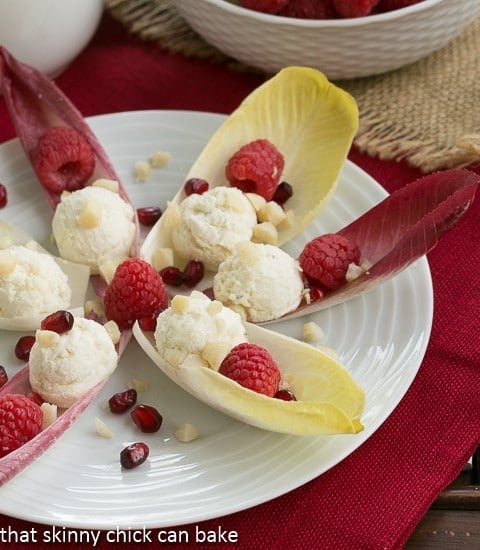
63 367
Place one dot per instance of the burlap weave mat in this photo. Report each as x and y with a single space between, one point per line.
427 113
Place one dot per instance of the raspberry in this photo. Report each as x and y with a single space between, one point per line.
354 8
309 9
136 291
325 259
252 367
390 5
3 196
63 160
267 6
256 168
20 420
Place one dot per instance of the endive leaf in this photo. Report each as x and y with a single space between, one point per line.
35 104
400 229
329 400
310 121
78 277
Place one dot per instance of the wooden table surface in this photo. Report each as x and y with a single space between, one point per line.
453 521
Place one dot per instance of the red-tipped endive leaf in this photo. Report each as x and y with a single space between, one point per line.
14 462
400 229
35 104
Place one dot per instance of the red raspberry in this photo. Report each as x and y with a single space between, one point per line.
63 160
325 259
136 291
20 420
3 196
390 5
256 168
309 9
267 6
354 8
252 367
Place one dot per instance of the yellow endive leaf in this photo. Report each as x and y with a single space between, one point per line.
310 120
329 401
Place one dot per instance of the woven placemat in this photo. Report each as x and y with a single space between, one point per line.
427 113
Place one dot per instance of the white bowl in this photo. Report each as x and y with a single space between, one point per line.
48 34
340 48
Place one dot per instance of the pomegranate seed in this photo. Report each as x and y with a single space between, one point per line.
193 273
134 455
148 324
61 321
316 293
122 401
3 195
171 276
282 193
3 376
146 418
149 215
23 347
196 185
285 395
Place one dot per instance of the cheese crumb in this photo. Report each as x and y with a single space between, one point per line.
142 170
160 159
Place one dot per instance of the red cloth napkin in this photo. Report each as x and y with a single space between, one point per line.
376 496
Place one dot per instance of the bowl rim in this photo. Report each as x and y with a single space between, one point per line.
235 9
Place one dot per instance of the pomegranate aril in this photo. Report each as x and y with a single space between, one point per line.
171 276
23 347
282 193
148 324
61 321
146 418
196 185
316 293
122 401
285 395
3 195
193 273
3 376
149 215
134 455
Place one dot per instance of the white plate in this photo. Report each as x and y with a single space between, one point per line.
381 337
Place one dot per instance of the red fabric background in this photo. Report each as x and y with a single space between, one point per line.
375 497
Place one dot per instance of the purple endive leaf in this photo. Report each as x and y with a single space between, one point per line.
400 229
14 462
36 104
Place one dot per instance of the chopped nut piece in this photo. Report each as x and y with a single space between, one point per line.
287 221
113 331
50 414
139 385
107 270
186 432
214 307
248 252
8 263
214 353
162 257
272 212
312 332
109 185
180 303
102 429
160 159
353 272
257 201
90 215
142 170
265 232
175 357
47 338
